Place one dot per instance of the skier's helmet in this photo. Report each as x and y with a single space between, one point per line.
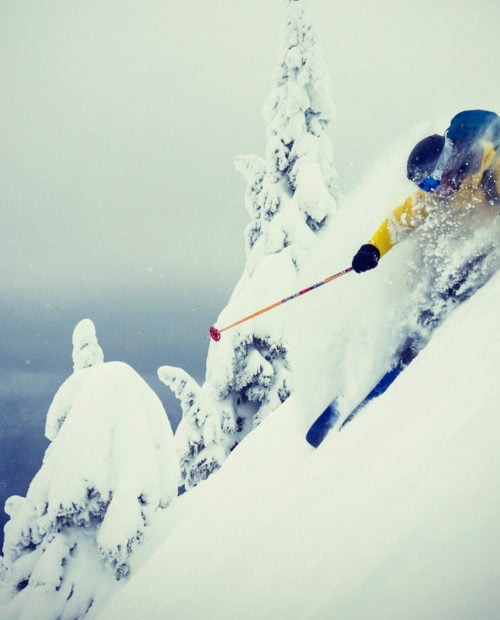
424 158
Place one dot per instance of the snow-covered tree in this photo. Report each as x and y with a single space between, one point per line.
291 191
110 466
290 197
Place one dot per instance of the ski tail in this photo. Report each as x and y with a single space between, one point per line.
323 424
331 416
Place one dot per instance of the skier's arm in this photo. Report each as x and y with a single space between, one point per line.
402 220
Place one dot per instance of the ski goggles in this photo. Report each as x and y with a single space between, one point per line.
429 184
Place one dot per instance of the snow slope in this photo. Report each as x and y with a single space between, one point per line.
395 517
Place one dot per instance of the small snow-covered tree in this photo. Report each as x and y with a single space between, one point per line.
110 466
290 196
208 430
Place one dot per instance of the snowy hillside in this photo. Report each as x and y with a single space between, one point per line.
395 517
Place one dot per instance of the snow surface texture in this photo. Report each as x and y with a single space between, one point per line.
110 465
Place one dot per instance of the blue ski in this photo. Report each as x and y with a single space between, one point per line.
330 416
322 425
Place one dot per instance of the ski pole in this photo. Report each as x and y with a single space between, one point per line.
215 333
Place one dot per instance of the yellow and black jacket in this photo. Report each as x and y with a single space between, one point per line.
480 189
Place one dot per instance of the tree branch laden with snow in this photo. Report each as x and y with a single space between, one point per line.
207 431
86 349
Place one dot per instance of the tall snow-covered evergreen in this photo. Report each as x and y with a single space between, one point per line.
295 182
290 197
110 466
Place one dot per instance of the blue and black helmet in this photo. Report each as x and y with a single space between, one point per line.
423 160
453 152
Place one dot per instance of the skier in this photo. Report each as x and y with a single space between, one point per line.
460 169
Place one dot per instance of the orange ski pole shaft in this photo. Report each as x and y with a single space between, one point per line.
215 333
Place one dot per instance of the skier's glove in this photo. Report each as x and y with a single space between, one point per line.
366 258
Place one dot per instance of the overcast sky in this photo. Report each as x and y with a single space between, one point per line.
120 122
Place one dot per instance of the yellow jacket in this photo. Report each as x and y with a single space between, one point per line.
479 189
